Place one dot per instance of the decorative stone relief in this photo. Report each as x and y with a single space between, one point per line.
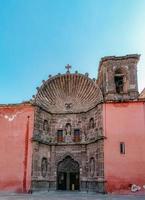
44 167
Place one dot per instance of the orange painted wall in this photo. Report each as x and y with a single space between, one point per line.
124 122
15 157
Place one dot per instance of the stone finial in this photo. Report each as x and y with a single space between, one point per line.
33 96
76 72
94 79
68 67
87 74
43 81
49 76
37 88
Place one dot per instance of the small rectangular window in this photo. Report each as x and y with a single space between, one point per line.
122 147
77 135
60 136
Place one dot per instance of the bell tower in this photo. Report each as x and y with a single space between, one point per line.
117 77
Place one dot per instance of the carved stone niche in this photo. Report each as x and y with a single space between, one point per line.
92 166
44 167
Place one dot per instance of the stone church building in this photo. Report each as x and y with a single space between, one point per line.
77 133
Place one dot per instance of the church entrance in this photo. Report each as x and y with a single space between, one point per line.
68 175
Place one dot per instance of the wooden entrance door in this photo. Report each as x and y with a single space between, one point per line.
68 174
61 180
74 181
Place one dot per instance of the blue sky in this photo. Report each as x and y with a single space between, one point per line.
39 37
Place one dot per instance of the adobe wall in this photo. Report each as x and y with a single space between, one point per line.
124 122
15 147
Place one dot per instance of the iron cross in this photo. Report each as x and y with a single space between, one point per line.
68 67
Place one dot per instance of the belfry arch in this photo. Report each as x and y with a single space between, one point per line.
68 174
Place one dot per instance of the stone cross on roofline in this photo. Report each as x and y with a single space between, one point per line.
68 67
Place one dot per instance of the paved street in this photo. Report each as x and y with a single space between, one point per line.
68 196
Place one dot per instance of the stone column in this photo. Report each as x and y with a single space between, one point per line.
53 173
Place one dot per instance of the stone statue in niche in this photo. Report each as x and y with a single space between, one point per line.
44 167
68 134
92 167
91 123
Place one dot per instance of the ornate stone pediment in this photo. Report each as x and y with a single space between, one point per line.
68 165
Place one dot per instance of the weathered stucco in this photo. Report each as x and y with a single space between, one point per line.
15 147
124 122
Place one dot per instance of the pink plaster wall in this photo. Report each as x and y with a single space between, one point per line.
124 122
15 157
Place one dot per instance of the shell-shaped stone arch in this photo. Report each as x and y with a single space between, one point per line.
68 93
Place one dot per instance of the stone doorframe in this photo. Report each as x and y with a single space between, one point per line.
68 166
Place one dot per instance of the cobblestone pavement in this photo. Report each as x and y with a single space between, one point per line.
68 196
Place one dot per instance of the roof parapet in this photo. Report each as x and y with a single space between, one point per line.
128 56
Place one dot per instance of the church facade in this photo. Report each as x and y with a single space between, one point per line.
77 133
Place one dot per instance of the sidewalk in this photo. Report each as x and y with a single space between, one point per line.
68 196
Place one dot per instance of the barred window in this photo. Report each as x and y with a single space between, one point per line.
77 135
60 136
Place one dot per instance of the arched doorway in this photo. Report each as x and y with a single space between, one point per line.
68 174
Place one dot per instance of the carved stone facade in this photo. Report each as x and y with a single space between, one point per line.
68 139
89 146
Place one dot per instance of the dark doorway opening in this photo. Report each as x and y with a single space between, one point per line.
74 181
68 175
61 180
